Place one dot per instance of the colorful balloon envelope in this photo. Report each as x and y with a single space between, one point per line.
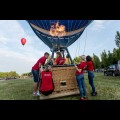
59 33
23 41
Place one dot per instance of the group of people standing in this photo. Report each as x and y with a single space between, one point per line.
85 64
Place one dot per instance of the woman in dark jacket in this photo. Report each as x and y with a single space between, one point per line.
90 69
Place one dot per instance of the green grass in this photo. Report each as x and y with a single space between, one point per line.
20 89
108 88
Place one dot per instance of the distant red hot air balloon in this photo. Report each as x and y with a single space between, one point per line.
23 41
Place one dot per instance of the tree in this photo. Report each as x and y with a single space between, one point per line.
96 61
110 58
104 58
118 53
77 60
30 74
2 75
101 65
117 39
11 74
115 56
27 74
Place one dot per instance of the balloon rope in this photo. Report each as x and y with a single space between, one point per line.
76 49
85 42
79 47
78 44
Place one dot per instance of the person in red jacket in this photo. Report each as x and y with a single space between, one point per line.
90 69
35 72
80 78
59 60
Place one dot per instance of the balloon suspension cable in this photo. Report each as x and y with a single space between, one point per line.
75 53
79 47
76 49
85 42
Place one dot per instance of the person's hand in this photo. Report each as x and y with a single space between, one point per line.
52 59
75 66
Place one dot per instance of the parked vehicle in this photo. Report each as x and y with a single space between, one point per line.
112 70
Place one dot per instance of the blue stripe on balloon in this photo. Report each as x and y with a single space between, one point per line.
70 25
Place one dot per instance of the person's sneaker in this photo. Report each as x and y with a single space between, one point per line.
94 93
38 93
34 94
81 98
85 98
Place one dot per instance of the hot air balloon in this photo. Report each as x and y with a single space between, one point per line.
23 41
59 34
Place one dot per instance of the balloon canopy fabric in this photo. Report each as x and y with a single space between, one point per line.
73 29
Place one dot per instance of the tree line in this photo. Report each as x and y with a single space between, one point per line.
11 74
27 74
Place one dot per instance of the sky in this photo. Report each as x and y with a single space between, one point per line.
98 36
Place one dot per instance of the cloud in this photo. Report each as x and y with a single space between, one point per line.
100 36
15 64
11 50
3 40
99 24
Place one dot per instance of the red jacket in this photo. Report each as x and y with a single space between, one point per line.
60 61
41 61
82 65
90 66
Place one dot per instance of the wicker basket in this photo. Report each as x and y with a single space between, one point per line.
64 81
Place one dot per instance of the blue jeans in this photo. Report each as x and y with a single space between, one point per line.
35 75
81 84
91 80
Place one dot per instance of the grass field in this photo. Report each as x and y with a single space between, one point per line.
108 88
